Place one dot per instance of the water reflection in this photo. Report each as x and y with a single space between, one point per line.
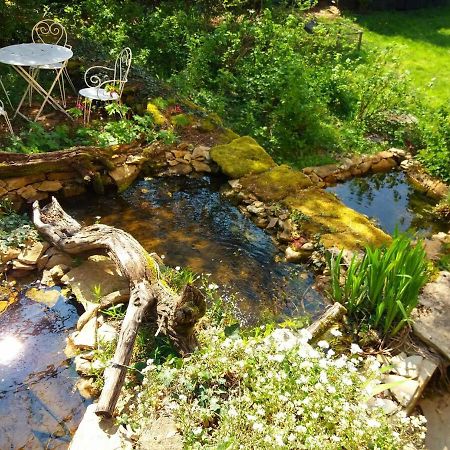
391 201
40 407
189 222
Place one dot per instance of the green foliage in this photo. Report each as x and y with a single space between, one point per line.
434 143
123 131
382 288
16 230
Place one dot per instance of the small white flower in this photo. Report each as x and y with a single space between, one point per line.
258 426
355 348
279 440
213 286
232 412
178 268
372 423
335 332
197 431
323 344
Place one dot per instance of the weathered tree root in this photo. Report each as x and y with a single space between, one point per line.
175 316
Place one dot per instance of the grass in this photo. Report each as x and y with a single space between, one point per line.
422 39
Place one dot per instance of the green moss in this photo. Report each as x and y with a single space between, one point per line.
226 136
276 183
241 157
337 225
181 120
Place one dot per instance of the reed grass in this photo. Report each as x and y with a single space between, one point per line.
383 287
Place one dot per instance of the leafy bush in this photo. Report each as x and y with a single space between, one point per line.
123 131
16 230
382 288
270 389
434 142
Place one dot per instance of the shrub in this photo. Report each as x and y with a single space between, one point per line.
382 288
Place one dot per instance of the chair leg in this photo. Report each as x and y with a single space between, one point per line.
87 110
8 123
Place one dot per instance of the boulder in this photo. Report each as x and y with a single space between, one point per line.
31 255
61 176
107 333
96 273
87 337
19 182
276 183
384 165
242 156
124 176
50 186
335 224
201 166
160 434
9 254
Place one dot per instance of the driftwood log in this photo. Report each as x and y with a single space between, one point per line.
175 316
332 315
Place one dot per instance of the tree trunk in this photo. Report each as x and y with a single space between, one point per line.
175 315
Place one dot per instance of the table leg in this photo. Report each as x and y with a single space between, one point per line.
37 87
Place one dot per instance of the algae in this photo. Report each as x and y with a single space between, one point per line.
276 184
336 224
241 157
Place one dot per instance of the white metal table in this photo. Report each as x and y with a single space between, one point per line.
20 56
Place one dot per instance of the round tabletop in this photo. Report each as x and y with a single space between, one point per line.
34 54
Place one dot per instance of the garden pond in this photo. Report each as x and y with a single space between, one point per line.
187 221
391 201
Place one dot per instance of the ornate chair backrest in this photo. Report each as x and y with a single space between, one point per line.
122 67
111 79
48 31
2 107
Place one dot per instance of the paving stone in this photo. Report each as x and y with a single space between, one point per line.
432 317
404 388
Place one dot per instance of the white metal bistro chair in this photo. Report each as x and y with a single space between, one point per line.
48 31
3 110
5 115
105 84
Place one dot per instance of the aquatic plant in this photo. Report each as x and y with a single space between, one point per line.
382 287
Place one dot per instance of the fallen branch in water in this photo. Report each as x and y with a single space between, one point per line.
174 315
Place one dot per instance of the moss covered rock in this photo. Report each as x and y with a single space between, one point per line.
241 157
276 184
338 226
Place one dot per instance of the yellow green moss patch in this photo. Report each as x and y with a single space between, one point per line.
158 117
337 225
241 157
276 184
226 136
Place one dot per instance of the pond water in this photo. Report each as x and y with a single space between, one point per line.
391 201
39 405
188 221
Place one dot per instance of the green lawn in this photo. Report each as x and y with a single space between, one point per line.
422 39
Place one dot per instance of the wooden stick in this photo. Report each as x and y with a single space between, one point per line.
328 318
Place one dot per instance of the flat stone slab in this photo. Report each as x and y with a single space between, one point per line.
98 434
432 317
436 409
99 274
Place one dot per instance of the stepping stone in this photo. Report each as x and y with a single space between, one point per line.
432 317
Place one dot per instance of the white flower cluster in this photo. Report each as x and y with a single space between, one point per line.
275 390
